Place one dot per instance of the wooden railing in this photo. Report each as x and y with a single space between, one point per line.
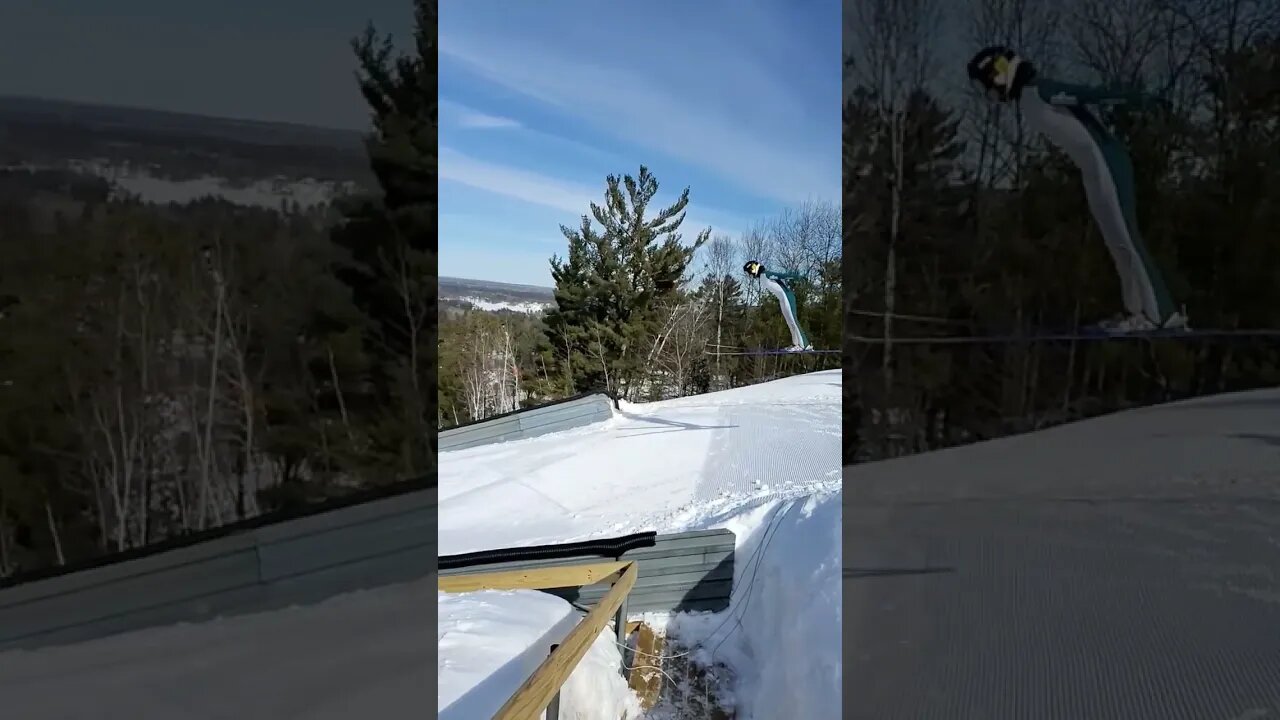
543 686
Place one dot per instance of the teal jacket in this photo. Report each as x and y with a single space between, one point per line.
1061 93
782 275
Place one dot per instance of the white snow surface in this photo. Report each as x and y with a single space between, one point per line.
671 466
763 461
787 595
491 641
1227 443
360 655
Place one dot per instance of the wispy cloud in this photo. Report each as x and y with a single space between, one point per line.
749 129
515 183
478 120
462 116
740 101
546 191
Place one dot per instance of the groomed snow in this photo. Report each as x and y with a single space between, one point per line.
1157 582
763 461
1227 443
361 655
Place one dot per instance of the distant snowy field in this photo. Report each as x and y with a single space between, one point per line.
529 308
265 193
763 461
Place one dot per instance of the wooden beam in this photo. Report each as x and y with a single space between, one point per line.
646 673
533 578
528 702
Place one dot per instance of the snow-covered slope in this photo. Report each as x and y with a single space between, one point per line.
763 461
667 466
1124 566
361 655
1228 443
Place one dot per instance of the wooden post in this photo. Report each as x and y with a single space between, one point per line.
620 629
553 708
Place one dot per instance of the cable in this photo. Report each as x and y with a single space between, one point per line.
909 318
757 556
661 672
771 531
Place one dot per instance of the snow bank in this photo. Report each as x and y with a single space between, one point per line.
781 634
491 641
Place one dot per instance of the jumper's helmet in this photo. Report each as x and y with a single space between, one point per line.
999 72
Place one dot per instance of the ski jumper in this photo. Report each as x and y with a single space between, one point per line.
776 283
1057 110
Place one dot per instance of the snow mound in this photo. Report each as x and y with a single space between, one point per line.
781 635
491 641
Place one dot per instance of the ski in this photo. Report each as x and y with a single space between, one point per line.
773 352
1082 335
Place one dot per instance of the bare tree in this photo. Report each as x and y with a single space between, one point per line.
1119 39
892 59
682 339
489 371
121 411
416 292
806 238
721 256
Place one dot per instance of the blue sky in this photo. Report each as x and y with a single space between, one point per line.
282 60
539 102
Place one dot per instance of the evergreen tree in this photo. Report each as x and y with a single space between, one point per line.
392 240
611 282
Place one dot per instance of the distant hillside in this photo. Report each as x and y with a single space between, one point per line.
159 123
166 156
456 293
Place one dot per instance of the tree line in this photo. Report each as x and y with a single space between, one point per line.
166 369
958 221
643 313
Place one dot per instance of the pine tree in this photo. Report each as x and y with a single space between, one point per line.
610 282
392 240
